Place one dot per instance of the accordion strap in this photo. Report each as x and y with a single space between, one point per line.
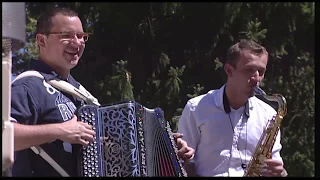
38 150
81 93
64 86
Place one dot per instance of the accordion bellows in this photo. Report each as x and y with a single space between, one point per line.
131 140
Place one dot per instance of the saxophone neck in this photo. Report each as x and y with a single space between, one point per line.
276 101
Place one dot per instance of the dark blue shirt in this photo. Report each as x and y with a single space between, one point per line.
35 102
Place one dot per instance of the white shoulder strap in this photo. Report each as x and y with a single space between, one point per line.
27 74
37 149
81 93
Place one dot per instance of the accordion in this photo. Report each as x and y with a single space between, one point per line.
131 140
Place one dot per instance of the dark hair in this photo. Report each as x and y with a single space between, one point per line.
45 24
236 50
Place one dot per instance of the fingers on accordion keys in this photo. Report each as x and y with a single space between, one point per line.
189 153
177 135
86 125
84 142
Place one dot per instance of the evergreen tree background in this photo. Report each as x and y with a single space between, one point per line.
162 54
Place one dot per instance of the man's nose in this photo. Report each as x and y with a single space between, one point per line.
256 77
75 40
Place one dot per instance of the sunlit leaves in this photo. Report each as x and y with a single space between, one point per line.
121 82
197 90
174 83
254 31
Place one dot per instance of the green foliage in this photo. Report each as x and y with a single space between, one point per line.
175 51
119 85
219 64
197 90
254 32
174 83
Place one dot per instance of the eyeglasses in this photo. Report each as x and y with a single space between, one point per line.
71 35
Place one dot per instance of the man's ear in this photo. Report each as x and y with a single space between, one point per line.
228 69
41 40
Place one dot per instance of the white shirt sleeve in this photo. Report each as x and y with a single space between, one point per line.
277 148
188 127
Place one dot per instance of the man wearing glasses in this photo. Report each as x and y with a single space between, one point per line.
44 115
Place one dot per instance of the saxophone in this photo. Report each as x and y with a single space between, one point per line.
268 137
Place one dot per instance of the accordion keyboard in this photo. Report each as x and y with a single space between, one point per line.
91 165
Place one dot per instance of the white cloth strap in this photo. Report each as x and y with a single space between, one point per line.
38 150
81 93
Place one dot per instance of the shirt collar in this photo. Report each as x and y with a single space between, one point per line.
223 102
48 73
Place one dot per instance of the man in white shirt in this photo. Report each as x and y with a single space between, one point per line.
223 126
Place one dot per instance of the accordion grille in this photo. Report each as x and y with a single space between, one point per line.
131 140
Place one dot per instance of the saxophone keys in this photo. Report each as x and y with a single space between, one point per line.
262 158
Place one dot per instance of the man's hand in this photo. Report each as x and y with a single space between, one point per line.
76 132
272 168
184 151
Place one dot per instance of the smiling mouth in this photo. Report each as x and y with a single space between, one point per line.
72 53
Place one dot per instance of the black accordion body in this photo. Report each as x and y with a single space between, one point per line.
131 140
